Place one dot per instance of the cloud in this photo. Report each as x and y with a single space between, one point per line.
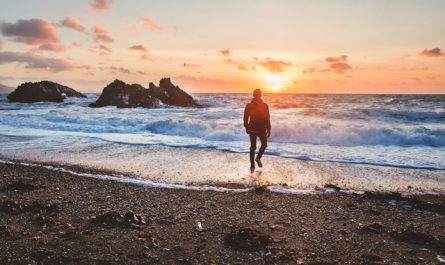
341 58
274 66
226 52
139 47
145 57
100 5
100 33
54 47
150 23
340 68
435 52
34 31
338 64
240 66
121 70
190 65
72 23
34 61
104 48
313 70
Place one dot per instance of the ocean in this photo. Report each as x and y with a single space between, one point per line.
388 130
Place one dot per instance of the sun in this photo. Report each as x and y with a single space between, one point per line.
275 80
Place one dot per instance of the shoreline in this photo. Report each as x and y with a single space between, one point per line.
54 217
208 167
117 177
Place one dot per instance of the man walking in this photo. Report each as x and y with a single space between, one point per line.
257 124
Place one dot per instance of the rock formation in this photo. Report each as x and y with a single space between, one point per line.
172 95
30 92
125 95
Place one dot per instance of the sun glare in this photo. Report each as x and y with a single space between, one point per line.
274 81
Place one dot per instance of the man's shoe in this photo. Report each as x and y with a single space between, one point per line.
258 161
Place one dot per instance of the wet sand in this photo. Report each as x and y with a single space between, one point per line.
53 217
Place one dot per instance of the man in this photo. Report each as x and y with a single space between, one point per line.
257 124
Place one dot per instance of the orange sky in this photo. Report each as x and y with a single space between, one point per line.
228 46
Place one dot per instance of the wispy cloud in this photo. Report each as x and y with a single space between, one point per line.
338 65
100 33
274 66
150 23
34 61
100 5
435 52
32 31
139 48
226 52
72 23
54 47
191 65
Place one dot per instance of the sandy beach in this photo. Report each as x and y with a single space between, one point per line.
53 217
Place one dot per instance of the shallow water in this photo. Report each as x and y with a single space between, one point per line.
372 129
359 142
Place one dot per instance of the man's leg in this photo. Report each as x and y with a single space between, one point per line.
252 150
263 139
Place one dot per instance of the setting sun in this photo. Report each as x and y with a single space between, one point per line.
274 81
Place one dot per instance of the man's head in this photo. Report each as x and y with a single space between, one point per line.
257 93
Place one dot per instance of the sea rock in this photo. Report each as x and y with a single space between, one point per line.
30 92
248 239
172 95
123 95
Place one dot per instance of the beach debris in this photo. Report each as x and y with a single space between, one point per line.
332 187
199 225
372 229
114 219
420 238
248 239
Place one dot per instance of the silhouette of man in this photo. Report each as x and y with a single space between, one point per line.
257 124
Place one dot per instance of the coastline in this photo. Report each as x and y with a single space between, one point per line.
161 165
49 217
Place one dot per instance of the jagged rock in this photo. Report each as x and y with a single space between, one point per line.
124 95
248 239
172 95
30 92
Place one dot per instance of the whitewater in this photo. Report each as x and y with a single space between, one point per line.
388 130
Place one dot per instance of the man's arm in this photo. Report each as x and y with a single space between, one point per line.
269 127
246 116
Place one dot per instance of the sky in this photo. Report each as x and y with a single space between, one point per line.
289 46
